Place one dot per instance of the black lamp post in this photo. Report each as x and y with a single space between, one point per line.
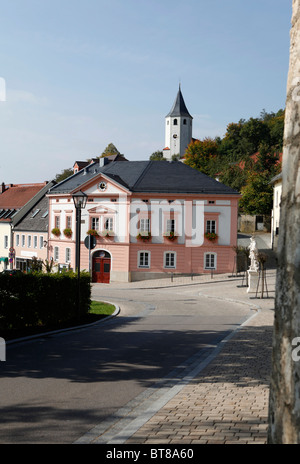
80 200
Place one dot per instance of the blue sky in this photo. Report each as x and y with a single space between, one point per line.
81 74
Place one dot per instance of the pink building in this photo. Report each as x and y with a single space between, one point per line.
150 218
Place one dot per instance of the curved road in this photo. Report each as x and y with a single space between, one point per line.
57 388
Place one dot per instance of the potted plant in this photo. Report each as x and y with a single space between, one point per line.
92 232
171 236
107 233
211 236
56 231
68 232
144 236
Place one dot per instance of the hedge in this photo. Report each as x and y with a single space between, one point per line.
39 299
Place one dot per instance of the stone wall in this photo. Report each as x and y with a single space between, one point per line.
284 409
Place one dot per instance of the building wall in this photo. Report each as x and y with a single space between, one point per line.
276 213
5 244
128 212
28 245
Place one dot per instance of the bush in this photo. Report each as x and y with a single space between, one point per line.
39 299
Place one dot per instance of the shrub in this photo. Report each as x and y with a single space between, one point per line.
39 299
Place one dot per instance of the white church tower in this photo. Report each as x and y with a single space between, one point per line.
178 129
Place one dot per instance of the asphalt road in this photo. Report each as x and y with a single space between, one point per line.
57 388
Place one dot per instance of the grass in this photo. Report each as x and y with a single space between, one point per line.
98 311
101 308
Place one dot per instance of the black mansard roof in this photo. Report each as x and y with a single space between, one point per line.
147 177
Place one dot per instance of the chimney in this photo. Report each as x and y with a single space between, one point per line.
2 188
103 161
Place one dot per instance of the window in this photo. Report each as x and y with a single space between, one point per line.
17 240
23 241
170 260
171 225
211 226
35 241
68 255
5 241
184 122
109 224
57 222
95 223
69 222
41 242
145 225
29 241
56 253
210 260
144 259
35 213
175 122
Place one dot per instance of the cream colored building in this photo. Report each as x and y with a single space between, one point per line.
277 189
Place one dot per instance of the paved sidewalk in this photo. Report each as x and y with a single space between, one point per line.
227 402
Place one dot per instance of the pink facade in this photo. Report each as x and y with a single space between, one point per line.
122 219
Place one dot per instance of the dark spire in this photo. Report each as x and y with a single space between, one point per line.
179 108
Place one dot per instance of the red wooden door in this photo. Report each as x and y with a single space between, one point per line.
101 270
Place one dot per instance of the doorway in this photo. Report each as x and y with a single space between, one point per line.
101 267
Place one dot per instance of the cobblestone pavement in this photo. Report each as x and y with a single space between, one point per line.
227 402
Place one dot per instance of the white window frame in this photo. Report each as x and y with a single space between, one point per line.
209 265
5 241
145 225
69 221
171 225
56 253
95 223
68 255
211 226
18 240
23 241
29 241
142 259
167 258
41 242
35 241
109 224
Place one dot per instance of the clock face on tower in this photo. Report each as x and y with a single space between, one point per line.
175 136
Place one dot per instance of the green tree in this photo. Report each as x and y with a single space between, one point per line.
201 155
257 194
267 160
110 150
63 175
157 156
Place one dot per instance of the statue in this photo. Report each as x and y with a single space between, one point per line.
253 255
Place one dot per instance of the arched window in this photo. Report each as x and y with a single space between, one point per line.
184 122
175 122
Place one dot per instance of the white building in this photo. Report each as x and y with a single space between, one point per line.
277 192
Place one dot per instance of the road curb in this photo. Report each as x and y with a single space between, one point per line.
68 329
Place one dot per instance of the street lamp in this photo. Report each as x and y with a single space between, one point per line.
79 199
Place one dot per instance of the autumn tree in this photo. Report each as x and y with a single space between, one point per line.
201 155
110 150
